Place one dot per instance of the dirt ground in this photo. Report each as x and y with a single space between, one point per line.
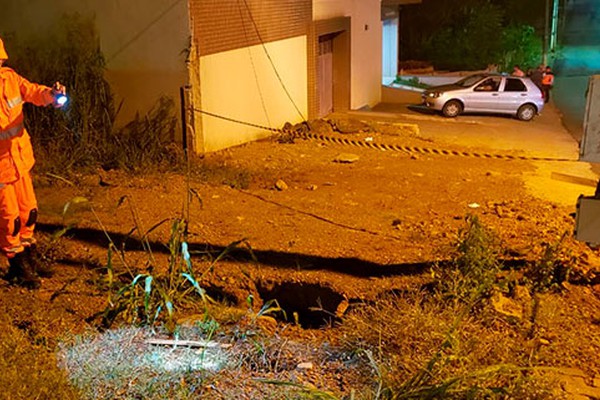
320 227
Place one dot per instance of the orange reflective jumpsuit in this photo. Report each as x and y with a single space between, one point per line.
18 205
547 83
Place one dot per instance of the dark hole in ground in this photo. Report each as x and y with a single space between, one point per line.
314 305
221 295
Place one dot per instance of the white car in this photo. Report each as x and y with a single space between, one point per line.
487 93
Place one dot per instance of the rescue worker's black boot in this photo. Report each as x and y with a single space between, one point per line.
40 265
20 272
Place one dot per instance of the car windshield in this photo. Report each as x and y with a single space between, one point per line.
469 80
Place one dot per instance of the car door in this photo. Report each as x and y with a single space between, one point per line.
513 94
484 95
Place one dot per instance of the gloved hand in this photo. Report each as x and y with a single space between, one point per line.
59 92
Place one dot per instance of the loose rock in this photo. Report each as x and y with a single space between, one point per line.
281 185
305 365
346 158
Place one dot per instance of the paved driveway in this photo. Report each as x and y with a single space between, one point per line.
545 136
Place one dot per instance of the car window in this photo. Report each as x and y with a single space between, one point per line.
514 85
469 80
489 85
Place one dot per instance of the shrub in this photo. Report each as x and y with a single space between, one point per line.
473 270
414 82
83 133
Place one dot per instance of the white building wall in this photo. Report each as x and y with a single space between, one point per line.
366 45
390 50
242 85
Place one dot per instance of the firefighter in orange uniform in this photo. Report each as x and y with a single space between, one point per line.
18 205
547 83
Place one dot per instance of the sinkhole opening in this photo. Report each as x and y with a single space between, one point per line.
311 305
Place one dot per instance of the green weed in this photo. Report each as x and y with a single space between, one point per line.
473 270
414 82
152 299
551 270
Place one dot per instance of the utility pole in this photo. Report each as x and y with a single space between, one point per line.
550 29
554 26
546 33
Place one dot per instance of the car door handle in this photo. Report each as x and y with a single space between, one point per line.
494 94
523 94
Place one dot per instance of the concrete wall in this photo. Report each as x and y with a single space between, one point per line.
231 72
143 42
241 84
366 45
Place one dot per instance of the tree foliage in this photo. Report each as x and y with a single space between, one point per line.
469 40
520 45
471 34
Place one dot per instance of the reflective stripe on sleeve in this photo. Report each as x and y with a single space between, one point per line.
12 103
11 132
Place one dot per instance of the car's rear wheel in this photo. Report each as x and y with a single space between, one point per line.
526 112
452 109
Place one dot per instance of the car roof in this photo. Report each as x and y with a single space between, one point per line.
492 74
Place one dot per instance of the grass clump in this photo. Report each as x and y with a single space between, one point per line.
473 271
29 371
448 342
421 350
552 269
145 142
151 298
123 364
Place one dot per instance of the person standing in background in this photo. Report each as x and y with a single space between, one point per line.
536 75
517 71
547 83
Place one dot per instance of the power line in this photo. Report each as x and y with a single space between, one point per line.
271 61
141 32
262 100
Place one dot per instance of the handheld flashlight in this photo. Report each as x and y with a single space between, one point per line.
61 100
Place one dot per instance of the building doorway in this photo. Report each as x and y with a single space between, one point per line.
329 67
390 50
325 75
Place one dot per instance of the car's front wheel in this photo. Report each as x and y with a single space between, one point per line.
452 109
526 112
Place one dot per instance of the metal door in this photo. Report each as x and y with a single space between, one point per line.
325 76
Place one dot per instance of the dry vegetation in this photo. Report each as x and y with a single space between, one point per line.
447 339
